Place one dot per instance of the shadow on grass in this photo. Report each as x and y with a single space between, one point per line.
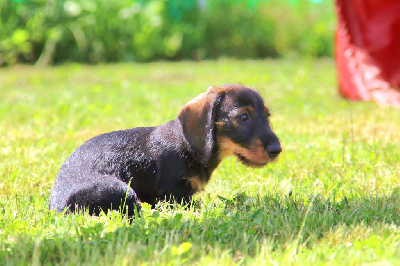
240 224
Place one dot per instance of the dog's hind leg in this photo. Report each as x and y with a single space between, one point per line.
105 193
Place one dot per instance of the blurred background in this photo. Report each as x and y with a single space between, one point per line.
57 31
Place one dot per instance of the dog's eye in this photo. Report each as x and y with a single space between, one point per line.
243 117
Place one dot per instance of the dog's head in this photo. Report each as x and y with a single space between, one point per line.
230 120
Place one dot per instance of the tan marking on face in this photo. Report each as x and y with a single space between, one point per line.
219 124
250 109
255 154
266 111
243 110
197 184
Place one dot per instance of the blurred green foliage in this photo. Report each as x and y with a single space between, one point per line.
93 31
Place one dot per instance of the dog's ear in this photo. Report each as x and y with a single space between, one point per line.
197 118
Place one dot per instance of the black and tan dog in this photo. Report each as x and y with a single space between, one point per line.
171 161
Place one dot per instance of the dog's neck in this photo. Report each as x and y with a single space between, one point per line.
209 163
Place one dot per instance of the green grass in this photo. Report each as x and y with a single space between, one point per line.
332 198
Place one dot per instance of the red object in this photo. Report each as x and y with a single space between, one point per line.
367 50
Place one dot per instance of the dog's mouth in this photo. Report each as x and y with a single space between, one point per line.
248 162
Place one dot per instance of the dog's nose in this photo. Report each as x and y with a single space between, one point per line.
274 150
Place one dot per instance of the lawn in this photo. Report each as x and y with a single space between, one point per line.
333 197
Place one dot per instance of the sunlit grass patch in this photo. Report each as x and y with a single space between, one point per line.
332 197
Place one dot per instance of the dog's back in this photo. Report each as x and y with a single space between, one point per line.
137 157
108 155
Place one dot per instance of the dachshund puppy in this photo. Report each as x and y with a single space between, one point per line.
118 170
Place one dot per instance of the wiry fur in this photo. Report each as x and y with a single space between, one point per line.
118 170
